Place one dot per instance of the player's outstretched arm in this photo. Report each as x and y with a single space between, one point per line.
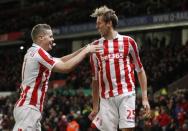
68 57
70 64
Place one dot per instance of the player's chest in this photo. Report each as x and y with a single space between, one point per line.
113 50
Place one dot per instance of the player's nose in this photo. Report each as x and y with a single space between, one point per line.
97 27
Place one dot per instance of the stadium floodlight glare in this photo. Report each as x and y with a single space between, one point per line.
54 44
21 47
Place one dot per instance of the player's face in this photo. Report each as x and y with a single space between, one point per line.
102 27
47 40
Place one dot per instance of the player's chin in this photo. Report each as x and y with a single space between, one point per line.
102 35
49 48
100 32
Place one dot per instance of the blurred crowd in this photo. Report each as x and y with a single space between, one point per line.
163 65
10 68
168 112
24 14
59 113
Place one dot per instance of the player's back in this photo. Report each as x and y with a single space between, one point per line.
30 67
36 71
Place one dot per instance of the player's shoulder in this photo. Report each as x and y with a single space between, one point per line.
130 39
44 54
37 52
32 52
126 36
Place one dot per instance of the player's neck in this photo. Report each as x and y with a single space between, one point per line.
111 35
40 44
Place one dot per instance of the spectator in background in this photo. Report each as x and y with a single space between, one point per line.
72 124
63 122
163 118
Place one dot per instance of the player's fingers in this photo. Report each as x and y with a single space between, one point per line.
98 48
91 116
95 48
147 110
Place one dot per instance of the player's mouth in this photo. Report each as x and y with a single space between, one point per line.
51 43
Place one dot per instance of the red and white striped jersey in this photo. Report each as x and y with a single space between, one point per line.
36 70
114 66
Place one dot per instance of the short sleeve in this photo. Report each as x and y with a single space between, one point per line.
45 59
135 54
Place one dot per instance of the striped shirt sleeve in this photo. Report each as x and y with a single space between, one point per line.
45 59
135 54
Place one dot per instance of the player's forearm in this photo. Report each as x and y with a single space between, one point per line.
95 95
69 65
143 83
68 57
73 62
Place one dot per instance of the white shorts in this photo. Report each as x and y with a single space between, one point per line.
116 111
27 119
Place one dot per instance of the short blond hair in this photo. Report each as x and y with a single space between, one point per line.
39 29
107 13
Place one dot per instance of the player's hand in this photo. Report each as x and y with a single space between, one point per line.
92 115
93 48
146 106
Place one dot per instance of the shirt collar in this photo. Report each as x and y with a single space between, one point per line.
35 45
116 37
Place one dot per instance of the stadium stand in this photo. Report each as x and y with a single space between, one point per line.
25 14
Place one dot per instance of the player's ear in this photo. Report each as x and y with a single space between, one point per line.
41 37
109 24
